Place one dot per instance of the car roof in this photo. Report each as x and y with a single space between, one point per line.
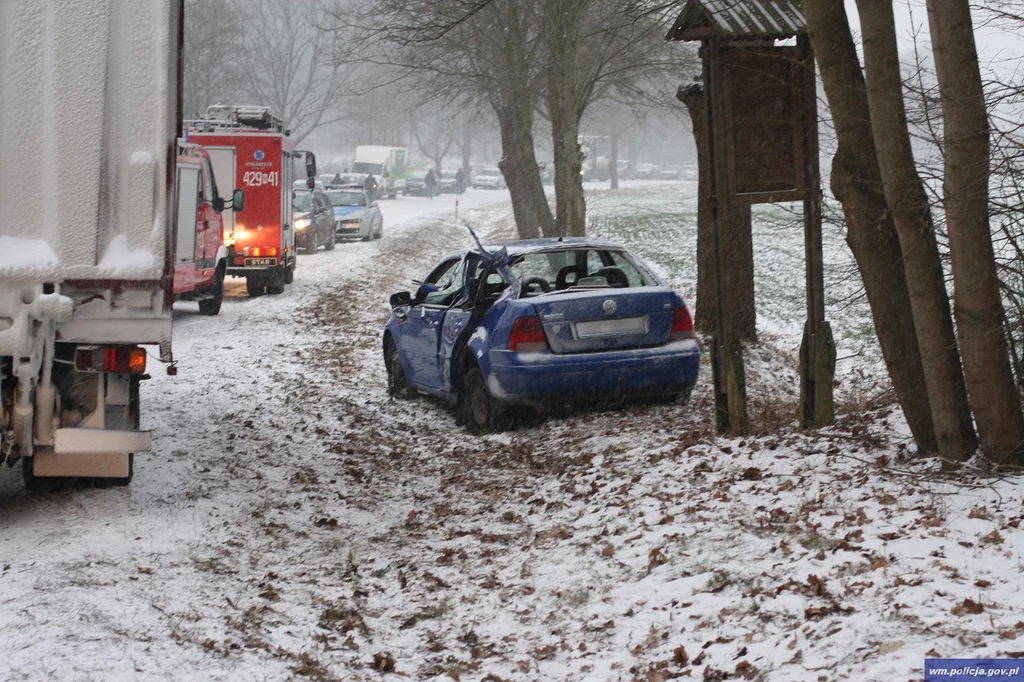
524 246
546 244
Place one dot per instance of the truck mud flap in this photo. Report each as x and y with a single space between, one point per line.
107 465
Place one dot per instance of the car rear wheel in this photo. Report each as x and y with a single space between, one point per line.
480 412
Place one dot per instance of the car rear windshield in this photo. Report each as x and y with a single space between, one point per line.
342 198
565 269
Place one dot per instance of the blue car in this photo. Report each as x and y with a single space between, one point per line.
536 322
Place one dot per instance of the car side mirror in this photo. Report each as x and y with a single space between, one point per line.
402 298
237 201
374 203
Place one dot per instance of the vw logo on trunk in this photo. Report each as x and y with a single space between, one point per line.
609 306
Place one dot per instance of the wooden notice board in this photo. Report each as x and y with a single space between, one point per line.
764 136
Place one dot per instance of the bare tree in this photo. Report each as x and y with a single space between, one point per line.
595 49
434 132
908 202
979 311
871 235
470 52
210 70
289 64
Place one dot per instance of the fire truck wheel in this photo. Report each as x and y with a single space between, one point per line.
276 284
254 287
211 306
289 273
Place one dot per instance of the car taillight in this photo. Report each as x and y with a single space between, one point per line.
527 335
682 324
120 359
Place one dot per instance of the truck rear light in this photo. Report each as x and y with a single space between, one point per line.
682 324
527 335
120 359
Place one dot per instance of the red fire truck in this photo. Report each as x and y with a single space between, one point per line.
200 257
250 149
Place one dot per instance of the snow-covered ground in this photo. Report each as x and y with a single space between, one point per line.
295 523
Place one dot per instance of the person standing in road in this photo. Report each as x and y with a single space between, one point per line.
460 181
431 182
370 186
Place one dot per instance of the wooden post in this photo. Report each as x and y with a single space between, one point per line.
726 351
817 350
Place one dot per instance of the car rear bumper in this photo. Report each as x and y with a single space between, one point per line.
527 378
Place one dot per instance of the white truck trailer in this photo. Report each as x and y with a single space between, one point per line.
89 112
388 165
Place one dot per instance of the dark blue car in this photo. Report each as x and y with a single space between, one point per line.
536 322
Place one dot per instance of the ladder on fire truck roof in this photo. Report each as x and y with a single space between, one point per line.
232 116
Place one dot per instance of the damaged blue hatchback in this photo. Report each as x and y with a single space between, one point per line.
544 321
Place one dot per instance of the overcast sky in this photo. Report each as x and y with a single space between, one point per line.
998 48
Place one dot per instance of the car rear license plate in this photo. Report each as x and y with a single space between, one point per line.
260 261
620 326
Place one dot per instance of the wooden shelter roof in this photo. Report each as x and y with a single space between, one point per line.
739 19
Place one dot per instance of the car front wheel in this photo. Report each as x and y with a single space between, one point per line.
398 387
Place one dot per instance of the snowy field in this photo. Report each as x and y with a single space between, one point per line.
293 522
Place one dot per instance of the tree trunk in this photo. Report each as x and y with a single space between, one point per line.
737 239
870 233
570 206
613 162
905 195
519 166
704 318
467 151
563 107
979 311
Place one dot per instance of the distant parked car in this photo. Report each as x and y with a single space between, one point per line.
345 179
356 215
536 322
671 173
314 220
647 171
624 170
415 184
690 173
301 184
329 179
489 178
446 184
